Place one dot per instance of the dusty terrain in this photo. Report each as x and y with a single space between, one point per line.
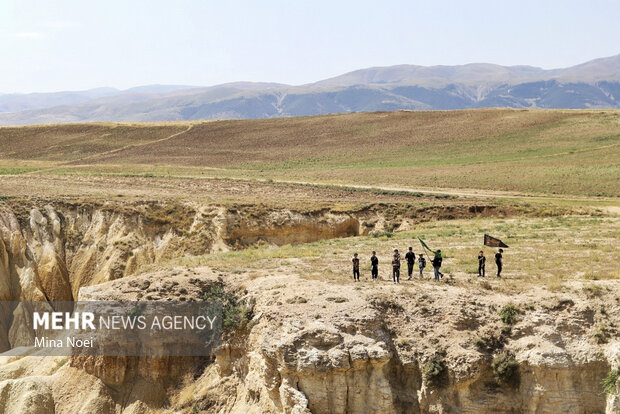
173 211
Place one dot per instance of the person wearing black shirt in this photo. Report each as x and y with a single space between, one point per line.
396 269
498 262
421 264
374 266
410 256
481 262
356 268
437 264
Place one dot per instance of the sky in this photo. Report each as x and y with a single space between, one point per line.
55 45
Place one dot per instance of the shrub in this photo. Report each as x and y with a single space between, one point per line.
480 343
506 370
593 290
601 335
610 381
435 372
387 234
485 285
235 314
489 342
509 314
136 310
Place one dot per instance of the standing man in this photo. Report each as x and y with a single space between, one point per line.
499 262
356 268
481 262
396 269
410 256
421 264
437 264
374 266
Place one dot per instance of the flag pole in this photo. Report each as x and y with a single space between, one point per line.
425 247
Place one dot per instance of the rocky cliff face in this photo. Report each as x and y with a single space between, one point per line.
341 349
431 352
47 253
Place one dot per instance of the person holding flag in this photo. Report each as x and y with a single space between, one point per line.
437 260
437 264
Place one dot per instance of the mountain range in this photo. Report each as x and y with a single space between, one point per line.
594 84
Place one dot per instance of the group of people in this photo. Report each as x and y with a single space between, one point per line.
482 260
410 257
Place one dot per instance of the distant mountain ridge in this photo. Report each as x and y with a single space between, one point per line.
16 102
594 84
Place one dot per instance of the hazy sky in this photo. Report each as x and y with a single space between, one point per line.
52 45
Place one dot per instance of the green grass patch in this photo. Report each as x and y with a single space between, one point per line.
610 381
16 170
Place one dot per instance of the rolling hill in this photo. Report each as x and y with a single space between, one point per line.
525 151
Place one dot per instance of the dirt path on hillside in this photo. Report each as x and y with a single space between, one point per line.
102 154
110 152
453 192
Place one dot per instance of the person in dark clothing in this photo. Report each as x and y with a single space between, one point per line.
356 268
481 263
437 265
499 262
421 264
397 254
396 269
374 266
410 256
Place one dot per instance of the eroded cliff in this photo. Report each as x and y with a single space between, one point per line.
307 346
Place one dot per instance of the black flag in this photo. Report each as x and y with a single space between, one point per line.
493 242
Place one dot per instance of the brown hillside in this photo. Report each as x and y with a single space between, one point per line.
234 142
